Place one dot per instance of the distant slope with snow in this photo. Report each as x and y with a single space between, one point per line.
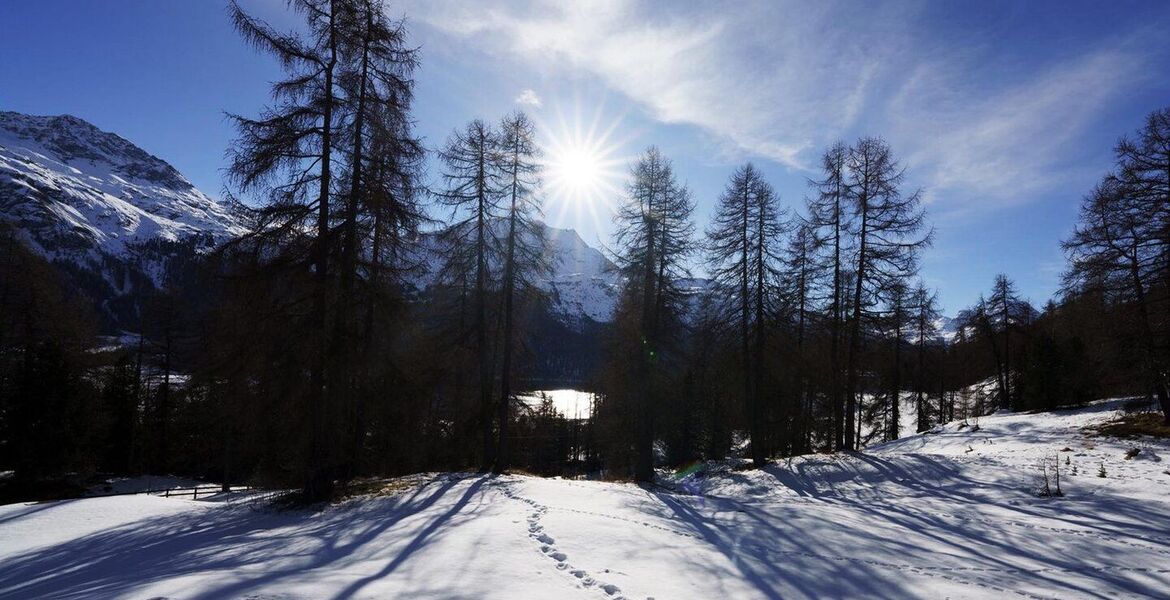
583 282
102 207
77 189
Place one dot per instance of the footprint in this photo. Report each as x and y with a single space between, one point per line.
544 538
610 589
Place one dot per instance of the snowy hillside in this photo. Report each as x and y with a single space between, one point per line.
946 328
583 283
111 214
77 190
951 514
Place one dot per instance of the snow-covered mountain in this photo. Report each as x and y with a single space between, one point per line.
119 219
946 328
96 204
78 190
583 284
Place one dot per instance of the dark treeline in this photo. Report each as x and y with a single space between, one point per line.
301 356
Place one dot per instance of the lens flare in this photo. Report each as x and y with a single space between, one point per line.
583 169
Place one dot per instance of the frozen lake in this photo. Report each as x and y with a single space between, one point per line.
573 404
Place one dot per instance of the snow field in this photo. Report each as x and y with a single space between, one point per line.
949 514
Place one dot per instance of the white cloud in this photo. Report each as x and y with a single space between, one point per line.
681 69
782 80
1002 146
529 97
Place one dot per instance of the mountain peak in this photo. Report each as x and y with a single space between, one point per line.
92 199
80 144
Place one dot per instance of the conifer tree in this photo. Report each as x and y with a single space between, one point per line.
743 231
830 219
897 297
653 240
925 304
288 153
525 249
1007 309
1121 246
802 276
889 224
473 191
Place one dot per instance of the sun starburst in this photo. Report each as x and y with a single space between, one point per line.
583 168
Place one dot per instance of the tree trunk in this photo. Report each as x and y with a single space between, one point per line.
920 376
1156 378
344 373
896 391
164 401
509 291
319 482
761 456
644 450
1007 353
485 401
838 408
851 381
800 442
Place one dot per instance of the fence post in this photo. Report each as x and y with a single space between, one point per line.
168 493
195 493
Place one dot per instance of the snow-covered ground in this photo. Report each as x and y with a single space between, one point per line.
951 514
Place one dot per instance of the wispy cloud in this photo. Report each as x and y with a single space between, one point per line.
1001 146
530 98
782 80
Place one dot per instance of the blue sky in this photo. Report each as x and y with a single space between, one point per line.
1003 112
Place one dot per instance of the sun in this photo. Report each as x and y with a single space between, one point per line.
576 169
582 168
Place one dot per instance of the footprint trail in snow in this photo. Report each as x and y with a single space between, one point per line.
547 545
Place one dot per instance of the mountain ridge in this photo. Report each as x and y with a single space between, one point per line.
94 203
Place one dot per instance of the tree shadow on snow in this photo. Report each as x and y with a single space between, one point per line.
867 526
250 549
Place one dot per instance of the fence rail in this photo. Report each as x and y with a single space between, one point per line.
196 490
180 492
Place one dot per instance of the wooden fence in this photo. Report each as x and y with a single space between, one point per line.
180 492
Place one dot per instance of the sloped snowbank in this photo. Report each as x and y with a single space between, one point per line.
949 514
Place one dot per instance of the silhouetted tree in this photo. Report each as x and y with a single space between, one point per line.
889 224
925 304
1121 246
746 225
653 239
525 251
473 191
827 213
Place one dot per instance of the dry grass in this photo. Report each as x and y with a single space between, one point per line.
1132 426
377 486
523 472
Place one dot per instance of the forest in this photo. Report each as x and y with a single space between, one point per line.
298 357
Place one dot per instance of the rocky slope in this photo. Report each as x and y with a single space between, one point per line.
114 217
